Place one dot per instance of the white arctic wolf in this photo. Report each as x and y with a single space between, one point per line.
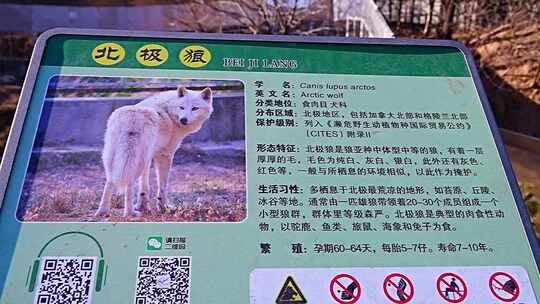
151 130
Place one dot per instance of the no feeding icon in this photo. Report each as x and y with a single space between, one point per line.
345 289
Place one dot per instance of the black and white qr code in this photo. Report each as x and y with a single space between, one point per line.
65 280
163 280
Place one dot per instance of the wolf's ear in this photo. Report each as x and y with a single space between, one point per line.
207 94
181 91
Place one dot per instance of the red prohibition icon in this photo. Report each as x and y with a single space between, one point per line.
345 289
398 288
504 287
451 287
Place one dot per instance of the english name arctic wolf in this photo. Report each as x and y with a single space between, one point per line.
151 130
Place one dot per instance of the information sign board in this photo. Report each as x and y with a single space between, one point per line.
203 168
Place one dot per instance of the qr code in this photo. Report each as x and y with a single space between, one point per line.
163 280
66 280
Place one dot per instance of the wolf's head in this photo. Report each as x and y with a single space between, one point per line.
191 108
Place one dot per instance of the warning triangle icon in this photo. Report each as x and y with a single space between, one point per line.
290 293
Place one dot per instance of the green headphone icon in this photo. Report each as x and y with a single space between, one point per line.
101 263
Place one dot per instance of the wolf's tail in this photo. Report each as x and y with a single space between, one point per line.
129 142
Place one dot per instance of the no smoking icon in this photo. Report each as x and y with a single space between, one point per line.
345 289
451 287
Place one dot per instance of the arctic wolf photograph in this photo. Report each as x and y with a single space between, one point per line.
138 149
150 131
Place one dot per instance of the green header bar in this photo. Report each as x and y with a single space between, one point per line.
326 58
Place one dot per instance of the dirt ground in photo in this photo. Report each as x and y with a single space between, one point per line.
199 192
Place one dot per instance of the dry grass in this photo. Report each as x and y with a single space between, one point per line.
199 192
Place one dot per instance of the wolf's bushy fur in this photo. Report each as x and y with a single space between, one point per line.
149 132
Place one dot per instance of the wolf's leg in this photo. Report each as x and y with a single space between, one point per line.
163 165
105 204
129 198
144 190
